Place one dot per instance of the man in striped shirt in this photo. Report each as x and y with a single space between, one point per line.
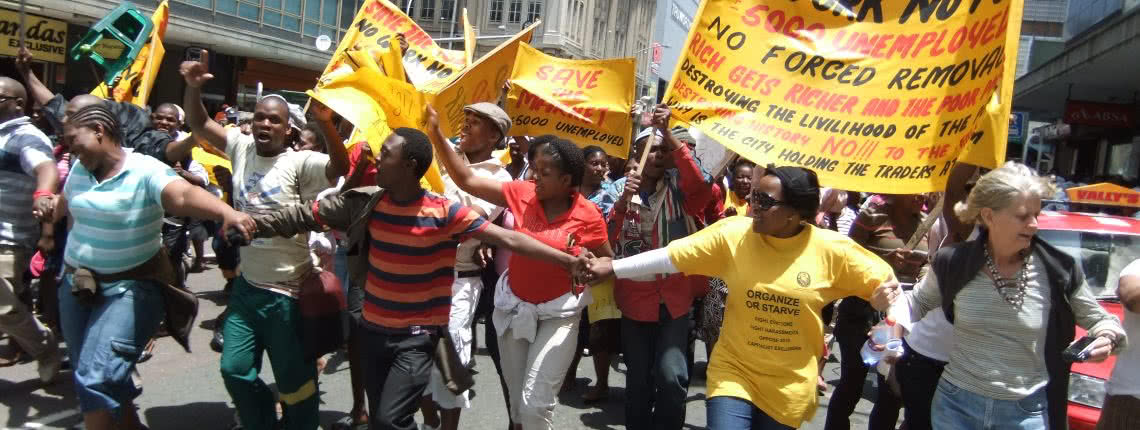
402 246
27 177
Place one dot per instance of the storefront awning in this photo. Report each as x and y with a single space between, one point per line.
1104 194
1097 67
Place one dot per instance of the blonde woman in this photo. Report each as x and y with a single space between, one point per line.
1014 301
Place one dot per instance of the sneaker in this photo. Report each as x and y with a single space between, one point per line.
49 365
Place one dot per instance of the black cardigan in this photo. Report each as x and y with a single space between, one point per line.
957 264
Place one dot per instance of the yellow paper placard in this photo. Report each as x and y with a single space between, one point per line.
374 29
480 82
137 81
875 97
600 92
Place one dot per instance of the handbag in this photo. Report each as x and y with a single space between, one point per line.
324 314
456 377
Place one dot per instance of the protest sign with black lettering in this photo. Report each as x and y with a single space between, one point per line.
586 101
479 82
427 65
877 96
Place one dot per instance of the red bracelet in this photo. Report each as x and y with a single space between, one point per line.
41 193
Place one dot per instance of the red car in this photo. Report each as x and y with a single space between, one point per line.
1104 245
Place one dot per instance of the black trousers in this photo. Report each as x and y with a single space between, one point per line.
851 336
396 371
918 377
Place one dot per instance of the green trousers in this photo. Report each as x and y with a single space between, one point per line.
263 321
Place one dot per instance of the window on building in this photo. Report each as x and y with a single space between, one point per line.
534 11
447 10
247 9
427 9
514 15
284 14
496 10
321 17
208 4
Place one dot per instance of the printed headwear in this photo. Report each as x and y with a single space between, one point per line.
801 189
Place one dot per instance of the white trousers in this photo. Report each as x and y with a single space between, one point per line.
534 371
464 298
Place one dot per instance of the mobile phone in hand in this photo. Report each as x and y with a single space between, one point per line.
194 54
1078 352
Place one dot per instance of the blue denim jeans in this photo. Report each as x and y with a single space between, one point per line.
957 408
734 413
104 340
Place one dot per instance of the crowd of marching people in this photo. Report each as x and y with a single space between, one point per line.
555 248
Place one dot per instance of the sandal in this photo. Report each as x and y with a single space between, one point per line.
348 423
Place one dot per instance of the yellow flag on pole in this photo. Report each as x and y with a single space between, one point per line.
136 83
468 39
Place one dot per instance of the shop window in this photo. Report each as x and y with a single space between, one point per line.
496 11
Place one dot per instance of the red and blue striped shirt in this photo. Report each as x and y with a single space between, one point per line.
411 258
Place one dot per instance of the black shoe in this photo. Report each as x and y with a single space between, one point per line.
217 341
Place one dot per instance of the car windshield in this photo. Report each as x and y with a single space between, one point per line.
1102 255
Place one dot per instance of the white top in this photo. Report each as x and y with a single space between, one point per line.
1126 375
999 350
491 168
268 184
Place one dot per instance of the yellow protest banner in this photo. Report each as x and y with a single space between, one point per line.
469 40
374 28
875 97
599 92
136 83
479 82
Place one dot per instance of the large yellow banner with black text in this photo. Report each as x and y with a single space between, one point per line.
377 22
874 97
586 101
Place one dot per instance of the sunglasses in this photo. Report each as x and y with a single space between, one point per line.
763 201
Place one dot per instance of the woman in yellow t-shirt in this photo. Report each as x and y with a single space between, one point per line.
780 272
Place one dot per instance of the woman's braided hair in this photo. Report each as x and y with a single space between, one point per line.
99 114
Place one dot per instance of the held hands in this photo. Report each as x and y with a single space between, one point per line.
196 73
44 208
240 221
885 295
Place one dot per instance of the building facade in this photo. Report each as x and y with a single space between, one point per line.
1086 94
274 41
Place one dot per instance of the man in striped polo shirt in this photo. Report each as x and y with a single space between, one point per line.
27 176
402 246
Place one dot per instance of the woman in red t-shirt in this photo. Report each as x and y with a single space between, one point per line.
537 311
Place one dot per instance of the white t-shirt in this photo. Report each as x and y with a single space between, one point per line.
269 184
491 169
1125 378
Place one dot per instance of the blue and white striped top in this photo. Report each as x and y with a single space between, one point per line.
118 222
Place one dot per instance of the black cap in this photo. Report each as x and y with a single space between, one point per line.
800 186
